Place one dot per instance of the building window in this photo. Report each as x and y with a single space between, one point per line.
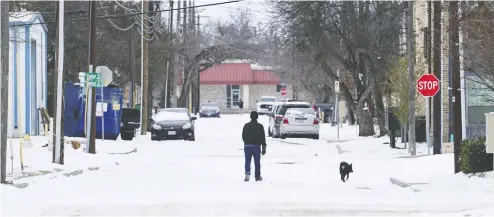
279 86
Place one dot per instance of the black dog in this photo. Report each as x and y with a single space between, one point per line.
345 170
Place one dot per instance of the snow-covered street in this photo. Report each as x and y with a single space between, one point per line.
205 177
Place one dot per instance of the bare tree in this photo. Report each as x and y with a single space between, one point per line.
368 32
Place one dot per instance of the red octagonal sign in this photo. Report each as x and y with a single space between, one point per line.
283 91
428 85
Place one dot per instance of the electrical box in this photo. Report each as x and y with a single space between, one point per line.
489 126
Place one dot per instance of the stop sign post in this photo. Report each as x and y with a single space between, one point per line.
428 86
283 91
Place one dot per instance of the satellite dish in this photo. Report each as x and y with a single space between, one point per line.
106 75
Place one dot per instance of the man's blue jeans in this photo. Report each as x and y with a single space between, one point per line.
253 151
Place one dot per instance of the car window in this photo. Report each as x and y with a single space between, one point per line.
283 108
175 110
210 105
267 100
170 116
301 111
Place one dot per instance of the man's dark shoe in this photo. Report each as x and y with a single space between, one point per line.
258 179
247 178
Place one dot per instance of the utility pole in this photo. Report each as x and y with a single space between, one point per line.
92 68
178 56
454 39
144 81
169 63
436 68
185 36
198 89
58 140
411 79
132 66
4 86
192 25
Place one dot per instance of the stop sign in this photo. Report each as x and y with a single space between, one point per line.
428 85
283 91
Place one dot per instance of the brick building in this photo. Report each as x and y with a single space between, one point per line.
226 83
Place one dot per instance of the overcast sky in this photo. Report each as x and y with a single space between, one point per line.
258 9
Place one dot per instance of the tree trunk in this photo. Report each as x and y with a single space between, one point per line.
365 123
370 104
380 112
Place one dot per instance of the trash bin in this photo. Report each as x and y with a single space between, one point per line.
420 134
420 125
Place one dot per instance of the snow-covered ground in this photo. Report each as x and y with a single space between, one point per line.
205 177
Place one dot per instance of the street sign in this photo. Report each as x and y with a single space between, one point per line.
106 75
428 85
336 86
93 79
283 91
82 79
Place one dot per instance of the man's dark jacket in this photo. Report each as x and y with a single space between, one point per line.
253 134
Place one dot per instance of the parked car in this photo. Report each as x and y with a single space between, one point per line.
278 115
288 100
265 104
271 122
300 122
172 125
176 110
130 121
327 109
210 110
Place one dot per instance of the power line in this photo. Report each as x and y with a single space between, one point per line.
137 13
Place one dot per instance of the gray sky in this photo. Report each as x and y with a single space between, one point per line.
223 12
258 10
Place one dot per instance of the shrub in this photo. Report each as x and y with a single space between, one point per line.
473 158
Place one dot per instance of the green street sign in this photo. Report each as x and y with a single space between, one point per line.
93 79
138 106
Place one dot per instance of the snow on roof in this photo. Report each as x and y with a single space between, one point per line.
236 61
25 17
255 66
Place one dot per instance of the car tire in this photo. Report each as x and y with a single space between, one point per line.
316 137
128 136
282 136
192 138
275 135
155 139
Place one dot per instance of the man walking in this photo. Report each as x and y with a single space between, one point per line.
240 107
254 138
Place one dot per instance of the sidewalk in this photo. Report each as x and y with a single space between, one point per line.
37 163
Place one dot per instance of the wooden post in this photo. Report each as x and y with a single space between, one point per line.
4 86
144 82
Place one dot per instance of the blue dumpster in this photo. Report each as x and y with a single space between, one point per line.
109 108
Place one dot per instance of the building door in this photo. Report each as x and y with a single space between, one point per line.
232 95
235 97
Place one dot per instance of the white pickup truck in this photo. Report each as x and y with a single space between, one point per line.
265 104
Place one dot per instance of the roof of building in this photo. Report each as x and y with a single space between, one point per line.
237 74
23 18
228 73
265 77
